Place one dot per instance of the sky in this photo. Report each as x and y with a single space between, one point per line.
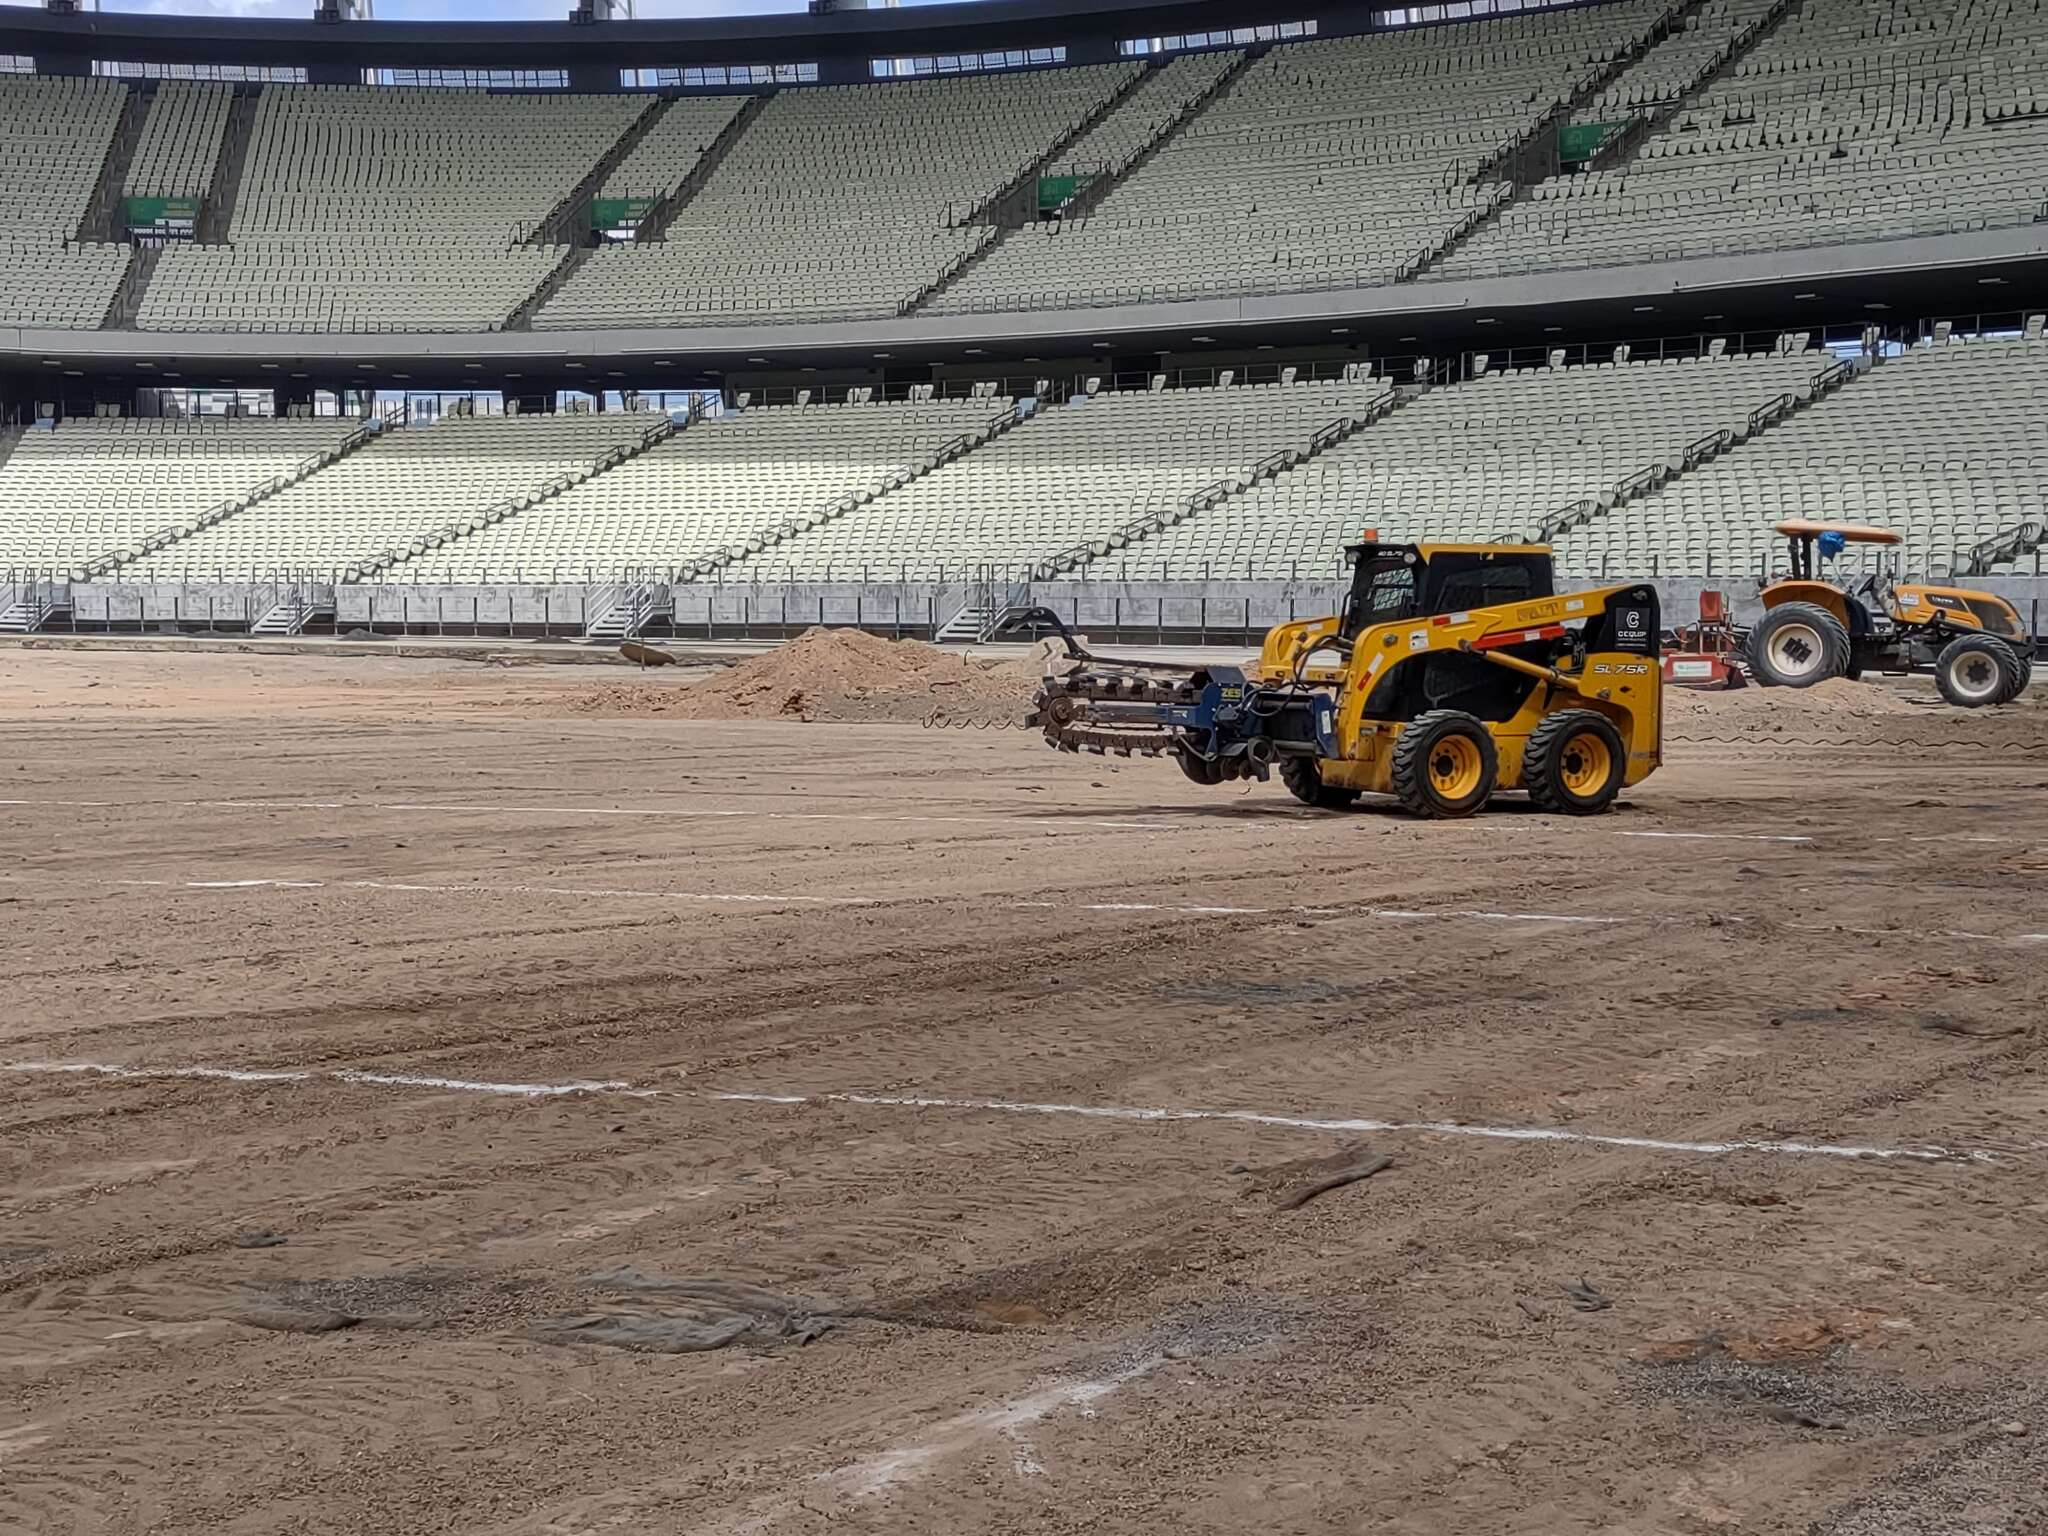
448 10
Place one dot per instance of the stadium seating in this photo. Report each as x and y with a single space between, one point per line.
1850 121
1111 145
414 481
710 486
1483 460
1328 164
1666 72
839 201
381 209
1946 444
180 140
670 150
1074 472
90 487
54 138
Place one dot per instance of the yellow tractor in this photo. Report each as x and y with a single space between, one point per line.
1455 671
1973 642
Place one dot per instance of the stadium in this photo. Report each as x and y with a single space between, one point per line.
456 1081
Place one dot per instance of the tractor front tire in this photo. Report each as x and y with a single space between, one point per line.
1444 764
1303 777
1973 671
1796 645
1575 763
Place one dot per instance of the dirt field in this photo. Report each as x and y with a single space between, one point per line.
436 1103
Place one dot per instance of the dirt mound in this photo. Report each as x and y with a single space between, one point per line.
841 675
1762 711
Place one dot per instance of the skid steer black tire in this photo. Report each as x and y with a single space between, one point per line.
1303 777
1444 764
1796 645
1575 763
1973 671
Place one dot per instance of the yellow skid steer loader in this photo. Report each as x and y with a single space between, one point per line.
1455 671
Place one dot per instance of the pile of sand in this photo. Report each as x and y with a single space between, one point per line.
841 675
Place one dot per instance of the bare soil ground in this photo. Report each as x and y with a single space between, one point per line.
436 1103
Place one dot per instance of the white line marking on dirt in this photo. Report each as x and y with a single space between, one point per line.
440 808
1163 819
103 1069
1309 1123
1720 837
715 898
620 1089
873 1475
509 1090
767 900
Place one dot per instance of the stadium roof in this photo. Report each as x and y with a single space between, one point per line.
985 25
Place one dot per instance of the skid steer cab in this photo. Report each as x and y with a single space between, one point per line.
1455 671
1814 629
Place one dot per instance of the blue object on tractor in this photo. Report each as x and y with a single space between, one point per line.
1232 714
1831 545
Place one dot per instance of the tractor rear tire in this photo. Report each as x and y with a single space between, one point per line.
1444 764
1303 777
1575 763
1796 645
1973 671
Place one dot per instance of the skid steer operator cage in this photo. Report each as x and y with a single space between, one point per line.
1393 582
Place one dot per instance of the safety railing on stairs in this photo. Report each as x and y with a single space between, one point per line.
1144 527
510 506
788 528
1980 558
1770 411
113 560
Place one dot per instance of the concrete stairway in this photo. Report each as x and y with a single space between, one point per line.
1221 492
104 223
217 212
568 223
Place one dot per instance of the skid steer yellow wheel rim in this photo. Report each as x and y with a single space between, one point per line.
1585 765
1455 767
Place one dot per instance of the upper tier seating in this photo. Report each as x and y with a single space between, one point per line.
1483 460
1111 145
380 209
91 487
1329 164
1666 72
1946 444
54 138
839 201
670 150
1073 472
1855 119
180 140
711 485
411 483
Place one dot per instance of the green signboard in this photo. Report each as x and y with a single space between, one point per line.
163 218
1057 191
620 212
1581 141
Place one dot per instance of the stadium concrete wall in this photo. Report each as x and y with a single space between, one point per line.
1172 610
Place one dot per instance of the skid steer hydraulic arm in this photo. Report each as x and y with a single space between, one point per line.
1550 675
